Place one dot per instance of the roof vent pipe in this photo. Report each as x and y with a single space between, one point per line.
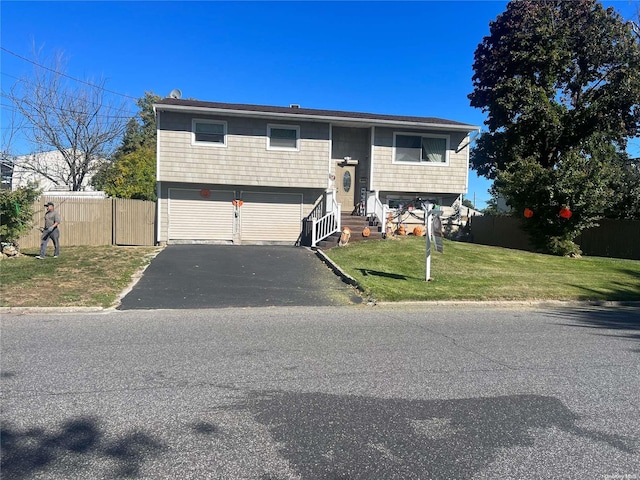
294 105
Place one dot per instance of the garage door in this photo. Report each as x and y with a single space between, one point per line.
271 217
200 214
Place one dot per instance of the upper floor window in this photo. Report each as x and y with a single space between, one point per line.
211 132
283 137
428 149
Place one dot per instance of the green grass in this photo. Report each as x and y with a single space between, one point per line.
82 276
394 270
388 270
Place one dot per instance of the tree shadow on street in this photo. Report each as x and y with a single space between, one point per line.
72 446
356 437
618 321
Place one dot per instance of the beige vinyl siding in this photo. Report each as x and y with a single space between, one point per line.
270 217
245 160
195 217
390 176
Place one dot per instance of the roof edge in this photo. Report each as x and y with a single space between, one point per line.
176 105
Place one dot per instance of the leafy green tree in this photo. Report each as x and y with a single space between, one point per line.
468 203
134 161
133 175
560 83
141 130
16 213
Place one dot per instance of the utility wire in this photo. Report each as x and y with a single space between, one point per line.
64 74
56 108
124 109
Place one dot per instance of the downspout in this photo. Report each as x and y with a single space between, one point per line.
158 189
373 136
468 148
329 181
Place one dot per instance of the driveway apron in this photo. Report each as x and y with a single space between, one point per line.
218 276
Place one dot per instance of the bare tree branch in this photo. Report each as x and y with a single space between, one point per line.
79 122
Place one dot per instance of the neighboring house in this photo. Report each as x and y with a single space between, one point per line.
262 174
6 171
53 163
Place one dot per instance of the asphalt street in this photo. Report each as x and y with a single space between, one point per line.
356 392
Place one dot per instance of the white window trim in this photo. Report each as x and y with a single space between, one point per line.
447 148
290 127
208 144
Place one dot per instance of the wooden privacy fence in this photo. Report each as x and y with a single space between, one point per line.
612 238
96 221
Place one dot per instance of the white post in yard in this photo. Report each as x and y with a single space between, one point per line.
428 207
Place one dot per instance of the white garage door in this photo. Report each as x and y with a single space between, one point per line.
200 214
271 217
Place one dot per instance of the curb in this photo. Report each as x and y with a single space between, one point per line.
346 278
52 310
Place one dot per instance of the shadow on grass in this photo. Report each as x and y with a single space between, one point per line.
620 321
79 441
615 290
366 272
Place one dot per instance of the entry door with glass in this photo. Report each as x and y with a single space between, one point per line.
346 186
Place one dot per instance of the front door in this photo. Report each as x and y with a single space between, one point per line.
346 186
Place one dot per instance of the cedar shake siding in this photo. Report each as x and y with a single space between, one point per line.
425 177
245 160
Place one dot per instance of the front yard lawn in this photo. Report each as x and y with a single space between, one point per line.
394 270
82 276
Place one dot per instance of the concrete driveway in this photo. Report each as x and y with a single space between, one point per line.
217 276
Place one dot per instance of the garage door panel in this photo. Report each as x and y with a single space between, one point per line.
194 217
271 217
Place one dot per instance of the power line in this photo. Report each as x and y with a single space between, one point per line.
29 82
124 109
64 74
57 108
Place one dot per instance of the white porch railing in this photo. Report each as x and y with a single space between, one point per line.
323 227
377 208
324 219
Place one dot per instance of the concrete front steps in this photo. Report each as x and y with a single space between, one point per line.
357 224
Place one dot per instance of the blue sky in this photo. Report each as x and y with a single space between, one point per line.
405 58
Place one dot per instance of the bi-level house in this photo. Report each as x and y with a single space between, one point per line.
234 173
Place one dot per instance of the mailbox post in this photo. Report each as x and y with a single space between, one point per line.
429 212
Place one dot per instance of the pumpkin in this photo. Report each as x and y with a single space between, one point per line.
344 238
402 230
418 231
366 232
528 213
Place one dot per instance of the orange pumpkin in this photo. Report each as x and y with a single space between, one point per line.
366 232
344 238
402 230
418 231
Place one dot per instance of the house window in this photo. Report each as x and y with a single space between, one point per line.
283 137
210 132
427 149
